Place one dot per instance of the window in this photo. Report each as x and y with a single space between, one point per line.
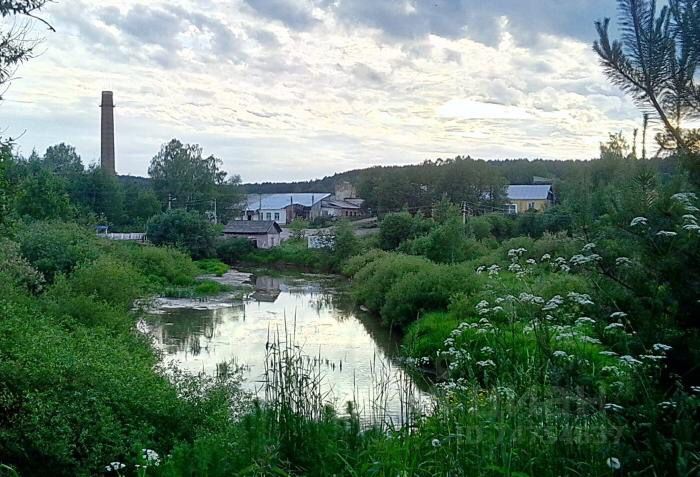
277 215
530 205
512 208
268 216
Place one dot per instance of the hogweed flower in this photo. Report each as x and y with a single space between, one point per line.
613 407
436 443
660 347
613 463
666 233
638 221
114 466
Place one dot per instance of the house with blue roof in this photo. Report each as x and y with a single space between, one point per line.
521 198
283 208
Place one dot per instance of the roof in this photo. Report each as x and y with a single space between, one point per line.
528 192
252 227
340 204
280 201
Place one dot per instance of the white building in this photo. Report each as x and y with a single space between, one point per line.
283 208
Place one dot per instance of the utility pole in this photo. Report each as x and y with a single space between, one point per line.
644 135
464 213
170 201
216 220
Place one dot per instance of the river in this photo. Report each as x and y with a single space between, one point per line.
357 359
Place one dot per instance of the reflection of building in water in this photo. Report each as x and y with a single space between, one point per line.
267 289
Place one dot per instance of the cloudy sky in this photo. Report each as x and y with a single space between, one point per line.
296 89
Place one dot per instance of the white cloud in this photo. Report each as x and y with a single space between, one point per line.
277 101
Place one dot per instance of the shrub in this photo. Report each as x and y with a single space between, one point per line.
480 227
356 263
427 335
17 270
188 230
161 265
212 266
232 250
57 247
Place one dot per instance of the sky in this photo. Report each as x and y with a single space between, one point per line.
298 89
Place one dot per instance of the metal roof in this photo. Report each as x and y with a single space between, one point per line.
340 204
280 201
252 227
528 192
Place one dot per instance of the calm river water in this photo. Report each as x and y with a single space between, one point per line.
358 360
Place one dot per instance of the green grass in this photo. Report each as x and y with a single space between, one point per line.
426 336
212 266
201 289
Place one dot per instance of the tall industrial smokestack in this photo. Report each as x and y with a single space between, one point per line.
107 136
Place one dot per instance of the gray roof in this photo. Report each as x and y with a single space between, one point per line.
252 227
528 192
339 204
280 201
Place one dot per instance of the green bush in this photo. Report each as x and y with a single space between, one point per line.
187 230
161 265
212 266
233 250
426 336
57 247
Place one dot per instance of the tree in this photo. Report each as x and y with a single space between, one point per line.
62 160
180 173
184 229
42 195
615 148
656 58
345 244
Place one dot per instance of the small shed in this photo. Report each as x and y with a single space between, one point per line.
261 233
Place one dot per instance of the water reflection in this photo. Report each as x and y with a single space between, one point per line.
356 355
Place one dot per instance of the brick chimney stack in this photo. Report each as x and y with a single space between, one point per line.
107 133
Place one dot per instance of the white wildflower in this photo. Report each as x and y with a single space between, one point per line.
588 247
666 233
480 270
486 363
436 443
151 456
114 466
560 354
695 389
553 303
629 360
545 257
607 353
623 261
618 315
493 270
652 357
613 326
613 463
667 405
530 261
660 347
580 298
590 339
584 320
638 221
487 350
613 407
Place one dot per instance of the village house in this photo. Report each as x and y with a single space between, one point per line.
283 208
521 198
343 203
261 233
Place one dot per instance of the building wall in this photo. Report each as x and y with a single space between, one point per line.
261 241
278 215
524 205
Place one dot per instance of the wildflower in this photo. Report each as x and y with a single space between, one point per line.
618 314
530 261
613 463
560 354
486 363
666 233
588 247
629 360
506 392
691 227
613 407
436 443
487 350
667 405
638 221
590 339
607 353
611 369
545 257
580 298
652 357
584 320
114 466
613 326
151 456
514 267
660 347
480 270
695 389
493 270
622 261
553 303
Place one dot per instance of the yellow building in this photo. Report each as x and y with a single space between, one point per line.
522 198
